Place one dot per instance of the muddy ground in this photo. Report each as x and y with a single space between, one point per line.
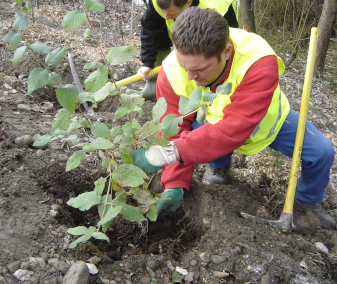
207 238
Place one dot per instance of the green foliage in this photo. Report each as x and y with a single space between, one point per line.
123 179
73 20
21 22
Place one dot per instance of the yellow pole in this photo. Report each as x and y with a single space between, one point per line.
295 166
135 78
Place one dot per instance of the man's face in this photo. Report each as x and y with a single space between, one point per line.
203 70
173 12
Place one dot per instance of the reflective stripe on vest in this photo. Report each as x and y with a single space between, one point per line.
248 48
220 6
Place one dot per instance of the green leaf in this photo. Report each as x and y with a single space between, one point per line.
177 277
86 34
99 186
121 112
40 47
62 120
188 105
75 160
78 122
202 113
97 79
89 65
144 197
18 55
85 97
85 200
126 159
105 162
14 40
151 128
169 125
224 89
99 129
158 110
209 96
121 54
101 144
43 140
78 231
79 240
61 132
94 5
130 213
152 214
53 78
100 236
110 215
108 90
37 79
72 138
17 2
55 57
67 96
73 20
20 22
115 131
130 174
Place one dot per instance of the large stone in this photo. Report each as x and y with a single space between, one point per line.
77 274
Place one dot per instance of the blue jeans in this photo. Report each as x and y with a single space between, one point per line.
316 159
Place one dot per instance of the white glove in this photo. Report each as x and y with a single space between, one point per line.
161 156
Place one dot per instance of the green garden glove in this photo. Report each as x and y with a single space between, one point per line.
153 159
166 207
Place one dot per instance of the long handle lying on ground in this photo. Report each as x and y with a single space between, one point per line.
135 78
286 219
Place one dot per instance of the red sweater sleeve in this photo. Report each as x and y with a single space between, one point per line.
249 104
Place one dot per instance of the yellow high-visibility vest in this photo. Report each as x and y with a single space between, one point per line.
220 6
248 48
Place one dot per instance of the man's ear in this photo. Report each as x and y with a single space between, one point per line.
189 3
227 52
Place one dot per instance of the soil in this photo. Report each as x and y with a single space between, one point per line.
206 237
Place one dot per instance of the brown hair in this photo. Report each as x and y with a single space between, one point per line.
200 31
165 4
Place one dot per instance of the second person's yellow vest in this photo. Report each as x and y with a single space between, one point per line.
221 6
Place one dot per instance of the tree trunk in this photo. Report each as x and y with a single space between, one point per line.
247 15
325 26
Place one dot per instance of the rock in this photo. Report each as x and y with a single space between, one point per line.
217 259
77 274
37 261
45 256
59 265
13 266
145 278
334 238
205 257
220 274
92 268
189 277
2 280
23 107
23 275
193 262
24 140
303 264
265 279
321 247
181 270
21 76
25 265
